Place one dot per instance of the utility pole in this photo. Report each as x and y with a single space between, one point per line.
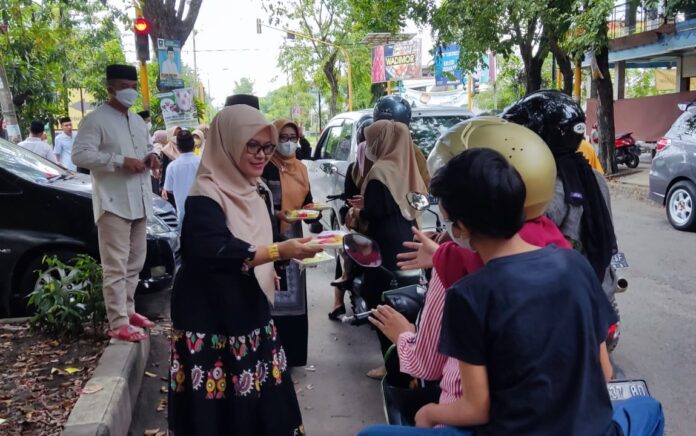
470 90
195 66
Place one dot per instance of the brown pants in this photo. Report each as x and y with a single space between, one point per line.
122 247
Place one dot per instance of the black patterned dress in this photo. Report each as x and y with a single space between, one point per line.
228 370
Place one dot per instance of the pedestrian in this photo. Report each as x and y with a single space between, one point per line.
304 152
198 142
159 141
182 172
35 142
228 371
64 144
383 206
145 115
288 181
170 152
114 145
247 99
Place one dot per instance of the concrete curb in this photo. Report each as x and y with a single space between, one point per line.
108 412
636 191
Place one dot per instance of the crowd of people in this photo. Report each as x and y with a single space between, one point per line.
516 315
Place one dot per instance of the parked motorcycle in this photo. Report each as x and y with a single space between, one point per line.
627 152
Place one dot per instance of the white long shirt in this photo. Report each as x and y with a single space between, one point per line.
63 149
36 145
106 137
181 174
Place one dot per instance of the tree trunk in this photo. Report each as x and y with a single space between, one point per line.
564 64
605 113
167 20
332 77
14 133
533 64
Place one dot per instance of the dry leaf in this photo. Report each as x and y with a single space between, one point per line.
310 387
2 421
150 374
164 389
152 432
310 368
72 370
162 405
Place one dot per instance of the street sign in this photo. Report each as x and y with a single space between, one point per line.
170 71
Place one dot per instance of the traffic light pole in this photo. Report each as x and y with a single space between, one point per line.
144 85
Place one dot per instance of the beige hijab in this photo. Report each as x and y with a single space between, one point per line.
396 165
171 150
220 179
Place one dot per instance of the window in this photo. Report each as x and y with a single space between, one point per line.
27 165
426 130
338 141
684 128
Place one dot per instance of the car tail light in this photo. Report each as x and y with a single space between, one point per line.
662 144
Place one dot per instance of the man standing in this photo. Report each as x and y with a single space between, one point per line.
64 144
114 144
36 144
182 172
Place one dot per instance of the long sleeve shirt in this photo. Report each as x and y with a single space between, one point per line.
106 137
63 150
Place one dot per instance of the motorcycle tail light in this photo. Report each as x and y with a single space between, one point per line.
662 144
613 330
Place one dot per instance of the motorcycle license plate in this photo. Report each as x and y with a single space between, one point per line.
619 261
625 389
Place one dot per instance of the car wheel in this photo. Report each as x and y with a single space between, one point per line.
633 161
30 278
680 206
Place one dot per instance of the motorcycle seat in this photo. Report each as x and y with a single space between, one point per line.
405 278
623 135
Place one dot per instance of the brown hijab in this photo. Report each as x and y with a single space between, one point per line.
171 150
220 179
395 165
294 180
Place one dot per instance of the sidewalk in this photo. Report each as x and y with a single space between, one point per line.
635 181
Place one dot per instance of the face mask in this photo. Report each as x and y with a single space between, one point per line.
127 97
464 243
287 149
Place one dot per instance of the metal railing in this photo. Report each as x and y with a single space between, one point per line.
631 18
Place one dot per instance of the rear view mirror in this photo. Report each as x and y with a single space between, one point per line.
417 200
328 168
363 250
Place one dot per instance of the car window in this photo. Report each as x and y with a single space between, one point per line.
27 165
426 130
338 141
684 127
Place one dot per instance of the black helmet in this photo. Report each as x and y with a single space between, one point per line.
362 125
551 114
392 107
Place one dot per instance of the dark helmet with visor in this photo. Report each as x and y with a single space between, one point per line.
392 107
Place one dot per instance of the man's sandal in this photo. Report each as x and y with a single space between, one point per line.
140 321
127 333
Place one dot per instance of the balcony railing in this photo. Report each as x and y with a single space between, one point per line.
630 18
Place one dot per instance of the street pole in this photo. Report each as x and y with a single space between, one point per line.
470 90
144 85
577 82
195 66
319 98
14 133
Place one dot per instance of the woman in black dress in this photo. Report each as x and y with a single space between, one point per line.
383 205
228 370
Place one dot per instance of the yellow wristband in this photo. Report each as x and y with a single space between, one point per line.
273 252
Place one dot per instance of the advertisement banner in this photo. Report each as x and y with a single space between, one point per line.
398 61
178 108
447 71
169 59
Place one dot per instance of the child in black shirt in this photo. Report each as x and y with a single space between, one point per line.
528 328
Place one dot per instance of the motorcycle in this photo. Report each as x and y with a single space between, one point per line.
627 152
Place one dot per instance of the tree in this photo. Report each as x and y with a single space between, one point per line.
169 21
244 86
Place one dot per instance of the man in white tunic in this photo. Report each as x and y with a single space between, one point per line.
36 144
114 144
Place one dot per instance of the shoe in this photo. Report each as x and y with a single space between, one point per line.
377 373
341 284
140 321
127 333
337 312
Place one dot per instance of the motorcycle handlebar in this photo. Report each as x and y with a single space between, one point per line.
341 196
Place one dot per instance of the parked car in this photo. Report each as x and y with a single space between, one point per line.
47 210
673 171
337 148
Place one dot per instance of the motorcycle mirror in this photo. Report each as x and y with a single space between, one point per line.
328 168
417 200
363 250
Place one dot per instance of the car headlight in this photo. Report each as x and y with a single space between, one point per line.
155 226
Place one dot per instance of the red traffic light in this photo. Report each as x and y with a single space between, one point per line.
141 26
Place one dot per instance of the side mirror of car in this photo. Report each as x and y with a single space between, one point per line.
328 168
363 250
418 201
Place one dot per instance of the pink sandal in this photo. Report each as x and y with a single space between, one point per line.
140 321
127 333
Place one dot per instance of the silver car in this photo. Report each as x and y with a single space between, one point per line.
337 148
673 171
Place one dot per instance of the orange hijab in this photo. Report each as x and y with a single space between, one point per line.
220 179
395 164
294 180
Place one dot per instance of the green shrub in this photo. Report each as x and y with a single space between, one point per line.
67 296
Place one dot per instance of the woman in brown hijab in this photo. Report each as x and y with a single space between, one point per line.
228 370
287 178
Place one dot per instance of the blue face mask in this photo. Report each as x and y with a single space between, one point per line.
464 243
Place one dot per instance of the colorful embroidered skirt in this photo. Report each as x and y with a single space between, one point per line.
231 385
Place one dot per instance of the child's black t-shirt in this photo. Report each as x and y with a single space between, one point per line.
535 320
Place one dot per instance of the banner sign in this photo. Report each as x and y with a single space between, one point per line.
178 108
169 59
447 71
457 98
398 61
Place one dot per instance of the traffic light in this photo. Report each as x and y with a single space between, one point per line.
258 26
142 41
475 82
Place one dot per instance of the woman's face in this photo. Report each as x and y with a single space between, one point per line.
288 133
251 165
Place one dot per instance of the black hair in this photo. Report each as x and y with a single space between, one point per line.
170 49
36 127
64 120
480 189
184 141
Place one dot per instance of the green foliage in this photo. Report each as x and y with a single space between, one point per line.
379 16
244 86
508 88
68 295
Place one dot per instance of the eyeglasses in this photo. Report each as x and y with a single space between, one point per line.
253 147
286 138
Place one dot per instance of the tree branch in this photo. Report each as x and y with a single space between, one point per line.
180 10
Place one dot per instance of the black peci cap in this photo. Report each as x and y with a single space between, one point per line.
250 100
144 114
118 71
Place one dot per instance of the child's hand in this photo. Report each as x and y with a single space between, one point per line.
390 322
422 256
357 201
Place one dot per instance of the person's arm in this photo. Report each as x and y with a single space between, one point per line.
57 150
472 409
607 369
86 152
168 181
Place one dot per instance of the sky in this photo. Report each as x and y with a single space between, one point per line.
228 48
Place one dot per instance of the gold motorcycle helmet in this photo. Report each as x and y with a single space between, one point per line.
525 150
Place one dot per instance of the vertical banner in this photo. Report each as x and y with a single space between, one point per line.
169 59
178 108
398 61
447 71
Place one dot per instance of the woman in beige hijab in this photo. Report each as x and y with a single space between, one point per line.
383 205
228 369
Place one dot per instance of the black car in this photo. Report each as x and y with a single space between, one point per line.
47 210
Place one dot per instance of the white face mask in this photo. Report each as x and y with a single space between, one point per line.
127 97
464 243
287 149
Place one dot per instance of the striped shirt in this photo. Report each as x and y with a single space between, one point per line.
418 352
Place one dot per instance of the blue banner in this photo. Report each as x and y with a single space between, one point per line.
447 71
